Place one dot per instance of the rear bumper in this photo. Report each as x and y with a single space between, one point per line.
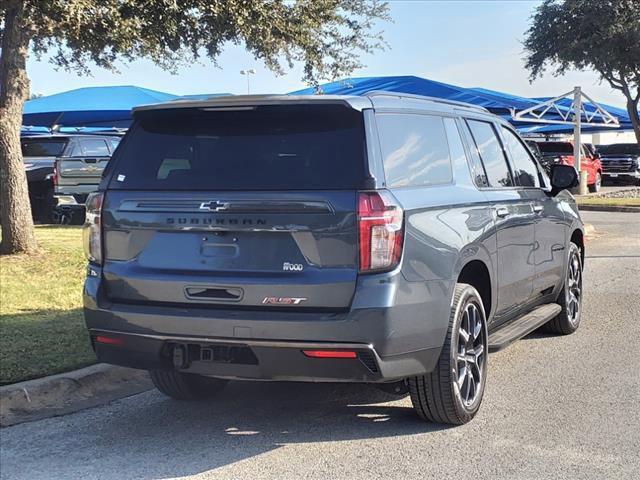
395 332
259 360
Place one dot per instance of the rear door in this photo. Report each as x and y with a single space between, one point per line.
550 230
244 207
514 220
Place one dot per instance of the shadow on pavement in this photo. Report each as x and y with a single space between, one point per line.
162 438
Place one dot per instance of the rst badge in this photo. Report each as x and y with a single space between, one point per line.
283 300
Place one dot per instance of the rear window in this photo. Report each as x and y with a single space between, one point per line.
556 147
620 149
285 147
43 148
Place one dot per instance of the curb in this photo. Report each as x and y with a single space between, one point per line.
608 208
69 392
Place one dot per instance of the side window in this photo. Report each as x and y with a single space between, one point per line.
525 170
415 150
114 143
95 147
491 154
477 169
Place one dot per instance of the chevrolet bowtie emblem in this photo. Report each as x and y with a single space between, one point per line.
214 206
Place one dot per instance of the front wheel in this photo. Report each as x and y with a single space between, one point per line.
570 298
453 391
186 386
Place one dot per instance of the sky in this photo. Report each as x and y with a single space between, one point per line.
467 43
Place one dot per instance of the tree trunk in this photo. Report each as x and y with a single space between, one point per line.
632 110
15 209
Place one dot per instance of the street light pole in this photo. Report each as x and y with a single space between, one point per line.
248 73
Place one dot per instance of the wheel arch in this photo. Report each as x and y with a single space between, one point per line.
477 273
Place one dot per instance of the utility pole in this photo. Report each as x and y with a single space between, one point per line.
577 141
248 73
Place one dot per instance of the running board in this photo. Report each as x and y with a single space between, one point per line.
510 332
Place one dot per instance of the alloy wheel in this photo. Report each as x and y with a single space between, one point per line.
471 354
574 289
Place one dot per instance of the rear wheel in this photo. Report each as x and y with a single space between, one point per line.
452 393
186 386
595 187
570 298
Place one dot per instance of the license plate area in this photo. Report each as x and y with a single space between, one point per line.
185 354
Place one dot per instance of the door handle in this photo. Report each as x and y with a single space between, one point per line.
538 208
502 212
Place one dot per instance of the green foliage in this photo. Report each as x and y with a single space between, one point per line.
603 35
327 36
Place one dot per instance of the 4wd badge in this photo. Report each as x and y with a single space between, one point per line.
292 267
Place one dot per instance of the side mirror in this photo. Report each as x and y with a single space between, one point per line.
563 177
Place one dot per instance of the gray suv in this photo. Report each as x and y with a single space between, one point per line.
389 239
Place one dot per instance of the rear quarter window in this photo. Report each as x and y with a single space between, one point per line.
284 147
415 150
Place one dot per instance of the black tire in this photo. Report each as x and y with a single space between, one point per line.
595 187
568 320
437 396
186 386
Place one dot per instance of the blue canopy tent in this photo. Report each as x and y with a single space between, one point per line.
500 103
90 106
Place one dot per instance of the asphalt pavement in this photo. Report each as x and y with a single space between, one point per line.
554 407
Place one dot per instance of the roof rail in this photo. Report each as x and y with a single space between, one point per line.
384 93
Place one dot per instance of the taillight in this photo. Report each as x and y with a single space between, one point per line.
380 231
54 178
92 229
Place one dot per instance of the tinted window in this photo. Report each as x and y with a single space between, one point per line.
556 147
414 149
262 148
491 154
43 148
525 171
95 147
477 169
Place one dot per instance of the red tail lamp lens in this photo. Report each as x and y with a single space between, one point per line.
329 354
380 229
109 340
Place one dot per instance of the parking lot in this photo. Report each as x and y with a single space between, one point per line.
555 407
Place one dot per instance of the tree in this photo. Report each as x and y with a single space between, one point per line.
327 36
603 35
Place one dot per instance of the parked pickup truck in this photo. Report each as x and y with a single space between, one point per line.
561 153
621 161
39 153
77 172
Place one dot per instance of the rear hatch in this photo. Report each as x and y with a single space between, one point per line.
82 164
245 207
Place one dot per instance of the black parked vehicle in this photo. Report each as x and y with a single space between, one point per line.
386 238
39 153
42 156
620 162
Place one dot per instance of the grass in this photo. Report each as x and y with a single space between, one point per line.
42 330
622 202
